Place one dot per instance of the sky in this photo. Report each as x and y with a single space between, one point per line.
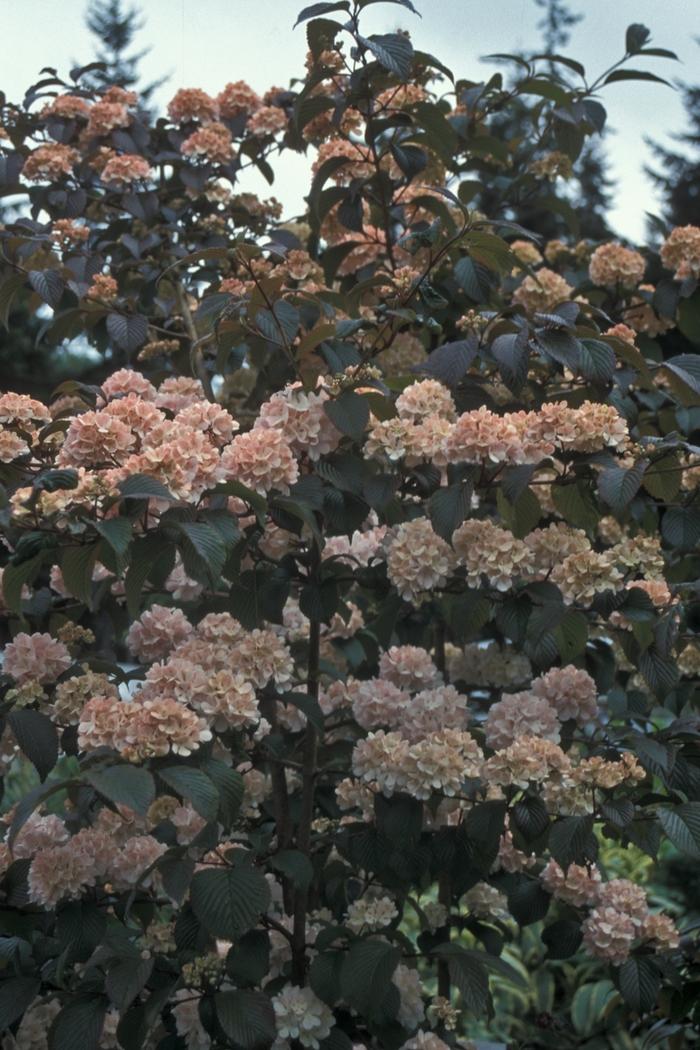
206 43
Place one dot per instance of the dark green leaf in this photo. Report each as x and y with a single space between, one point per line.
639 983
247 1017
37 738
229 901
365 978
195 786
125 785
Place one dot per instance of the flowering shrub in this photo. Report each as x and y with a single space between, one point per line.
354 610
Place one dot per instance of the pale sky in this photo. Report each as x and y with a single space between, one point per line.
206 43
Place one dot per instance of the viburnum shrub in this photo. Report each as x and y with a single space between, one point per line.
351 615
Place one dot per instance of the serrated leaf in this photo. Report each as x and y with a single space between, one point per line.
295 865
125 980
365 977
247 1017
142 486
48 284
195 786
79 1024
618 486
125 785
451 361
682 826
448 507
128 331
229 784
571 841
349 413
639 981
16 994
229 901
393 51
37 738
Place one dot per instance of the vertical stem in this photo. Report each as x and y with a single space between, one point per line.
444 879
196 359
280 798
306 815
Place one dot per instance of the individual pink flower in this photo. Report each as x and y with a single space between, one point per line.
37 657
267 120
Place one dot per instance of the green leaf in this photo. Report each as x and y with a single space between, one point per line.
117 532
128 331
125 785
618 486
634 74
49 286
309 706
662 478
349 413
37 738
636 37
399 819
571 635
469 975
639 981
589 1006
477 280
562 938
125 980
393 51
16 994
203 551
680 527
576 505
79 1024
295 865
659 671
142 486
229 901
571 841
16 577
682 826
229 784
450 362
521 515
365 979
247 1017
77 564
689 324
248 961
195 786
597 361
448 507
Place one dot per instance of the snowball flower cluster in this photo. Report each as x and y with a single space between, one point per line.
418 560
35 657
613 265
681 252
300 1014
